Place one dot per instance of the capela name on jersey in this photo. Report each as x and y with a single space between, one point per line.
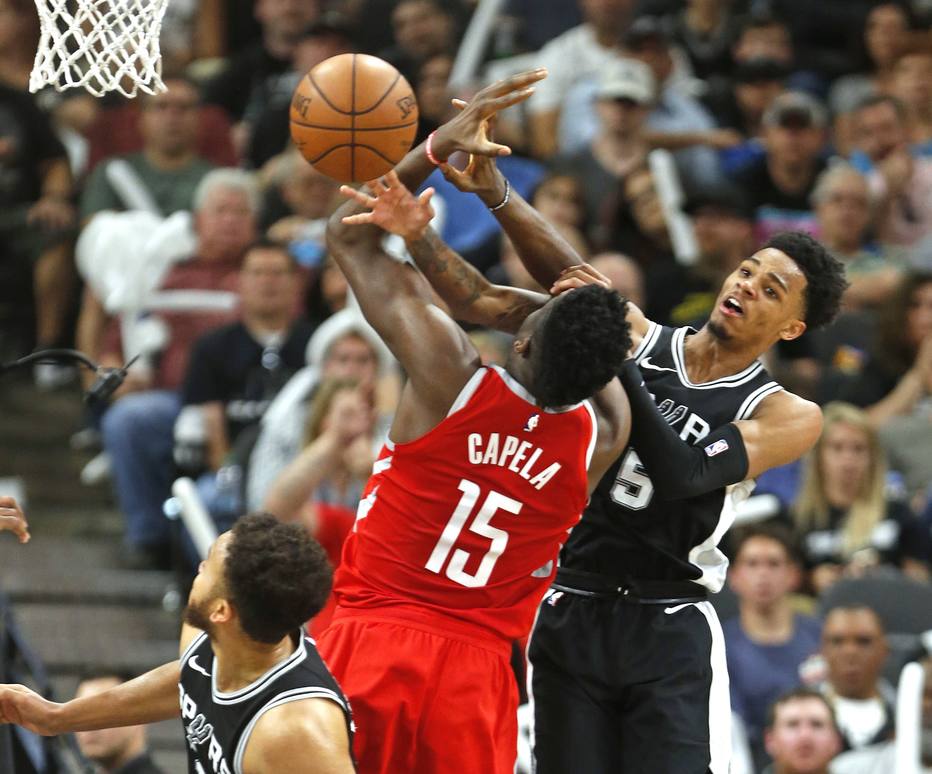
518 456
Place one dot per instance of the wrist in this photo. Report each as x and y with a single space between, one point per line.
415 235
57 719
437 148
495 195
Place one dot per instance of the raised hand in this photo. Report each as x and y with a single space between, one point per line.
26 708
12 519
481 177
468 130
392 207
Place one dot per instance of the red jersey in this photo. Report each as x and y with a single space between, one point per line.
461 527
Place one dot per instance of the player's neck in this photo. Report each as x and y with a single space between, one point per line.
709 357
241 661
770 625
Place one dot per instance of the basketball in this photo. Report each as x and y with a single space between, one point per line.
353 117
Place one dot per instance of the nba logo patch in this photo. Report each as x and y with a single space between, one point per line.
531 423
553 597
716 448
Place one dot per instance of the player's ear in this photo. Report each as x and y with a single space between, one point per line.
522 346
223 612
793 330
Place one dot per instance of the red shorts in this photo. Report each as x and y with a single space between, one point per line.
424 702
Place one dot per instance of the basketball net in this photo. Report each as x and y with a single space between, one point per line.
102 45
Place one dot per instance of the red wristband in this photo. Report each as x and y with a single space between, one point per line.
429 150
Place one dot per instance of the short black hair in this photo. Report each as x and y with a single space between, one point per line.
264 243
278 577
769 531
825 275
796 694
582 345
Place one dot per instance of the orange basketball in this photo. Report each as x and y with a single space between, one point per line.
353 117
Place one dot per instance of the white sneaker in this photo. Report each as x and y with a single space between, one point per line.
97 470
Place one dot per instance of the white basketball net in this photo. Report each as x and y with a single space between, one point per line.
102 45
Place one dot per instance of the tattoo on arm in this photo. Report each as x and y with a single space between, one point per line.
460 287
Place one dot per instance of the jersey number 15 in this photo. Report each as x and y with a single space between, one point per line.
456 571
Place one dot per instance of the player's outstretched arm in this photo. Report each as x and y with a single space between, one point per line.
467 131
303 737
469 295
549 258
147 699
13 519
436 354
781 430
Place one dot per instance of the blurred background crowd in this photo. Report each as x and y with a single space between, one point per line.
670 138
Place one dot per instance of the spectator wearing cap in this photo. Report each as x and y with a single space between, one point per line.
579 53
900 181
723 224
780 184
843 212
677 121
767 642
802 735
325 37
623 99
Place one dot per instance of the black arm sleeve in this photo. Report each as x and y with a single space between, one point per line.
685 470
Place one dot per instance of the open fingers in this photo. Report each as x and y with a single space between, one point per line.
359 219
512 98
378 186
359 196
519 81
15 524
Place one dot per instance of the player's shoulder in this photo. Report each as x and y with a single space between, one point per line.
313 726
783 400
640 325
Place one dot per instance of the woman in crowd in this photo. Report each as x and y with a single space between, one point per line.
322 486
847 523
898 373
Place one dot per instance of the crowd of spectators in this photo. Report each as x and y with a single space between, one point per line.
670 139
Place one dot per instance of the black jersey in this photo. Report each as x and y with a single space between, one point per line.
218 725
629 534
